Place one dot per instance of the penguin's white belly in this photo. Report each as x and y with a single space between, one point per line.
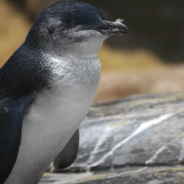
46 130
51 121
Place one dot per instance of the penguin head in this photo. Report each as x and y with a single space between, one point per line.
74 27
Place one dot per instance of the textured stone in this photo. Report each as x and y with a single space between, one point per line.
139 175
140 130
136 140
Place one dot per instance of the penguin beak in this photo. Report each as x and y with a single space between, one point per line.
109 28
106 28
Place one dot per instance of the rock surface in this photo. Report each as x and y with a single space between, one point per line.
140 130
140 175
136 140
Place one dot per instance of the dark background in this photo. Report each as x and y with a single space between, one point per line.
157 25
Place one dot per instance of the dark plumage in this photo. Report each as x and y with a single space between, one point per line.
11 117
61 17
24 73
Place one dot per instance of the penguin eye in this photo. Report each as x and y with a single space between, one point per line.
74 23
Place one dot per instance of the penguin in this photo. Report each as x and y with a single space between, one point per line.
47 87
68 155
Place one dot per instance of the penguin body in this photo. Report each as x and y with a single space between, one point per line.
55 113
47 87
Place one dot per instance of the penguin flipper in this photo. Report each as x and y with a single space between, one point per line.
11 117
68 154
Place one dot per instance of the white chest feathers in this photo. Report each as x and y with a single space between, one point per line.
55 115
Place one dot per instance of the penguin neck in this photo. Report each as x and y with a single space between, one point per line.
88 48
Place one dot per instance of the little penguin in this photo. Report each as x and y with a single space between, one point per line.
47 87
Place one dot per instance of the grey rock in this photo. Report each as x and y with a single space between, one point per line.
138 131
139 175
135 140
